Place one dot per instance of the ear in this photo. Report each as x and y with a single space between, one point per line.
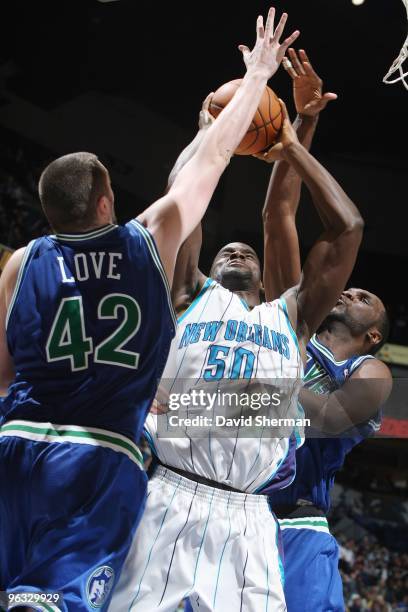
104 210
103 205
374 337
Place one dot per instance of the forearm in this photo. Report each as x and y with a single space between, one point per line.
325 413
185 156
333 205
225 134
283 193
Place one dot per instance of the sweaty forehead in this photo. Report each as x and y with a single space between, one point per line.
240 246
375 300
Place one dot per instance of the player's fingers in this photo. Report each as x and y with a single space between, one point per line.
280 26
285 113
304 57
288 66
326 99
268 156
330 96
207 102
260 32
245 51
310 72
289 41
296 61
270 21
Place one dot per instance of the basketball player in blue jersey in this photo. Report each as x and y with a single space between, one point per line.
85 327
208 533
344 384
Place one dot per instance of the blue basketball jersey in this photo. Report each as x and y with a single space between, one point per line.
318 460
89 329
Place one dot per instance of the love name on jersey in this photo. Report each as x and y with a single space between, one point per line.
236 331
87 265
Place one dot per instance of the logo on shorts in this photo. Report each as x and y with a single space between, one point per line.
99 586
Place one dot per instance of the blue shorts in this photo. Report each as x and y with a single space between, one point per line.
312 578
68 512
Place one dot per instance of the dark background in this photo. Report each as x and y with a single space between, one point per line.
164 58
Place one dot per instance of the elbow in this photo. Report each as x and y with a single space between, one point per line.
356 222
354 228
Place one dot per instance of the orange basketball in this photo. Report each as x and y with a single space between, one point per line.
265 125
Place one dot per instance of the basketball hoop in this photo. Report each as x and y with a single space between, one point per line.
397 63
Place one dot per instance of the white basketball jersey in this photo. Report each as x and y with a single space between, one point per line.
222 347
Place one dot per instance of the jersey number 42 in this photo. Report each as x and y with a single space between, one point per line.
68 340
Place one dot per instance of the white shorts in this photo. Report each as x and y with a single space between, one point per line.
219 548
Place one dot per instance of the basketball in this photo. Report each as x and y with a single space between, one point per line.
265 125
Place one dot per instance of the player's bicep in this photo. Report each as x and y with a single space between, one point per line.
324 276
376 377
361 396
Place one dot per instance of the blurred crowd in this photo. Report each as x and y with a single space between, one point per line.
374 578
21 218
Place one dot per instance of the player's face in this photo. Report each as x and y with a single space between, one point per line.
359 307
236 260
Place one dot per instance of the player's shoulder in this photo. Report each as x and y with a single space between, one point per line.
368 366
10 273
13 264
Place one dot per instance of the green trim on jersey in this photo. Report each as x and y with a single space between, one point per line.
101 231
316 523
18 281
156 258
47 432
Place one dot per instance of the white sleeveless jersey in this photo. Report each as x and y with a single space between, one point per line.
224 350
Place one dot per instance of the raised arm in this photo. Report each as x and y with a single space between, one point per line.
331 260
282 266
173 217
188 279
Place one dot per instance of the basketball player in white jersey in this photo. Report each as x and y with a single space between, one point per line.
207 532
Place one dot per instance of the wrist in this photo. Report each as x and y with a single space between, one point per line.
258 72
308 119
291 150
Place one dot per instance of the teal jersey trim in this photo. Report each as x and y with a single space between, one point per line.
208 283
289 324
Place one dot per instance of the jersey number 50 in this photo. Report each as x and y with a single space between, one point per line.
67 338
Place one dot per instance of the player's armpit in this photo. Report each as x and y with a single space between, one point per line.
357 401
188 279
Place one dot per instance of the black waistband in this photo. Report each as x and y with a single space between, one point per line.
200 479
297 511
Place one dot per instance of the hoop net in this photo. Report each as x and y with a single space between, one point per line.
398 62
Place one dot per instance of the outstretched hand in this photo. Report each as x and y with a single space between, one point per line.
307 85
205 118
287 136
268 52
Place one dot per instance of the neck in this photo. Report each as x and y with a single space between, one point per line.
338 338
250 297
243 286
82 230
